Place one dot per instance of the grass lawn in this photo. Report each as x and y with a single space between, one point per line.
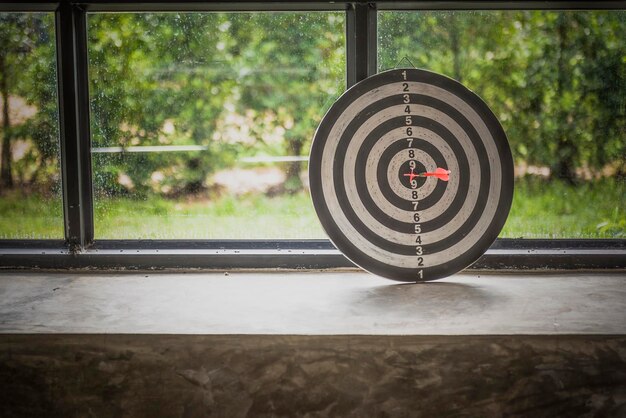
30 217
543 209
252 217
540 210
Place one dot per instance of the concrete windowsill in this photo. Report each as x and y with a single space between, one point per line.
310 303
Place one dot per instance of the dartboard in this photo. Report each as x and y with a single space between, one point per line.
411 175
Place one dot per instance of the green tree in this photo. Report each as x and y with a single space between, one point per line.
15 38
27 71
577 69
291 64
195 69
148 69
556 80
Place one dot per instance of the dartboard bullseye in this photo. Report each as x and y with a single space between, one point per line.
411 175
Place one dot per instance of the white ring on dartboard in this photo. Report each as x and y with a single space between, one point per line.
367 126
404 193
377 197
373 187
382 230
376 227
395 164
427 199
477 216
345 225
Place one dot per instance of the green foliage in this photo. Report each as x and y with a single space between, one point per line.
555 80
27 57
199 72
153 79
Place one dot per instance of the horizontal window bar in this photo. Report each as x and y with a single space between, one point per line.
173 6
40 6
136 259
164 6
204 5
31 244
508 255
154 259
500 5
308 244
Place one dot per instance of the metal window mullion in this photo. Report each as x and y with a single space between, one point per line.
360 42
71 35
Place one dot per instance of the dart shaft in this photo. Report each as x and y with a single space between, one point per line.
440 173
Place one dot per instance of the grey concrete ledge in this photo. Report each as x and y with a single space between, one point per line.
311 303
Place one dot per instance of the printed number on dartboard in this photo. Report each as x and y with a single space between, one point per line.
406 99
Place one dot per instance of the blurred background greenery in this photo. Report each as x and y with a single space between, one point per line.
229 102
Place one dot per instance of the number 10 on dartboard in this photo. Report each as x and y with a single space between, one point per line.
417 227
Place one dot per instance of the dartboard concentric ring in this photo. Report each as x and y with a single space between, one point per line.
411 175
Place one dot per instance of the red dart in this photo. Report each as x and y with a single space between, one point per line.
411 175
440 173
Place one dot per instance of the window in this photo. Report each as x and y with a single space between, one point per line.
183 129
202 122
556 81
30 183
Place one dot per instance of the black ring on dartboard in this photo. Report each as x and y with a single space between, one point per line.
416 99
429 124
383 181
432 198
399 226
495 223
388 193
429 226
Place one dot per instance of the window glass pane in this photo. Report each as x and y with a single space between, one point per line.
557 83
30 199
202 122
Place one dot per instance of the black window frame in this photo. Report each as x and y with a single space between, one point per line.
81 250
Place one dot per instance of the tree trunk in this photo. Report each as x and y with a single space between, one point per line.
6 178
455 47
563 166
293 182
